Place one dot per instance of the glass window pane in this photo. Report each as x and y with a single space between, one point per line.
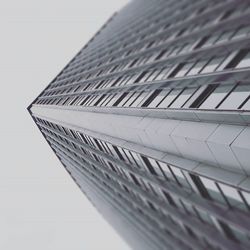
224 37
155 166
169 98
246 196
236 98
216 97
211 40
184 69
197 68
182 98
162 74
231 194
131 99
125 99
212 189
245 62
242 32
107 100
158 98
246 106
212 65
139 99
180 177
166 170
153 75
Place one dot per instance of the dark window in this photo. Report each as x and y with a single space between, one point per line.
241 60
141 76
120 99
99 100
148 165
151 98
176 70
203 191
200 43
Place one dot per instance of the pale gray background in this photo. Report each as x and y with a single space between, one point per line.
40 206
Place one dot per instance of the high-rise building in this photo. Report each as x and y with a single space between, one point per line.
151 119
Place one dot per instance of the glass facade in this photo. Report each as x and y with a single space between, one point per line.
153 114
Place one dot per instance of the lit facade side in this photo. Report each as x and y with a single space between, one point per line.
151 120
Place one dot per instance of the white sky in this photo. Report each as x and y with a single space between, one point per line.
40 206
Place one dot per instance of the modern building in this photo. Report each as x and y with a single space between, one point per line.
151 119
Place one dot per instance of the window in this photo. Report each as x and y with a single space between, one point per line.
197 68
199 185
153 75
240 60
141 76
158 98
224 37
246 106
210 40
107 100
166 170
155 166
236 97
141 99
245 62
212 65
131 99
163 73
242 32
179 176
120 99
212 189
151 98
183 71
125 99
246 197
215 98
183 97
101 98
162 53
148 165
166 102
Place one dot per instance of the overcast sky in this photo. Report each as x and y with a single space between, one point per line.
40 206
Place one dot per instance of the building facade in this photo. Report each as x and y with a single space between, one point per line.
151 120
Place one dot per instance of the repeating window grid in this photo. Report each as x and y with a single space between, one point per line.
179 202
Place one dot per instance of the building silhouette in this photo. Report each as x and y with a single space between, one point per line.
151 120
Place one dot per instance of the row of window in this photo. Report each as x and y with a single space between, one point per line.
189 28
214 96
207 188
215 39
206 41
177 34
149 24
234 60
